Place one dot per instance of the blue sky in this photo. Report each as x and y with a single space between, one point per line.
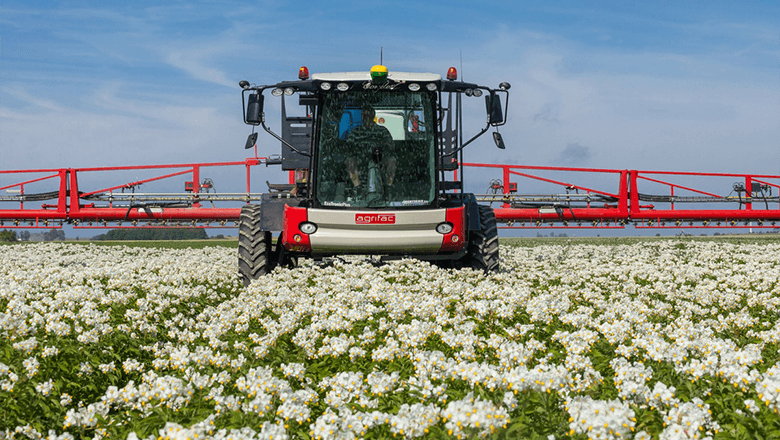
670 85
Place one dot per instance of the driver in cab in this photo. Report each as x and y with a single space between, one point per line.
372 139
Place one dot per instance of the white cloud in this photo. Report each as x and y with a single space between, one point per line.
194 62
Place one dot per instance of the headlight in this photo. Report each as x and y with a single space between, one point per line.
277 92
325 86
477 93
414 87
289 91
431 87
444 228
342 87
307 228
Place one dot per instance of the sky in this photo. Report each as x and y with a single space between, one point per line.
663 85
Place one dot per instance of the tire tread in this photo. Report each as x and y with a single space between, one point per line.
254 245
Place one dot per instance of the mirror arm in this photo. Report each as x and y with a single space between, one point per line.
471 140
262 123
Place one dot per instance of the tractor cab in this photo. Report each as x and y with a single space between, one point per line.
375 150
376 159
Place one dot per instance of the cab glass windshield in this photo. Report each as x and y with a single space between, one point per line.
376 150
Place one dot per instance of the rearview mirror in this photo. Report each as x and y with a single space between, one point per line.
494 110
254 109
499 140
251 141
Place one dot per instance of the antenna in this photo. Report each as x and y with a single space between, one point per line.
461 66
381 55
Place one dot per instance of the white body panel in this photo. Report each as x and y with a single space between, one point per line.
412 231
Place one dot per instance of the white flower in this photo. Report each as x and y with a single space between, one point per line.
85 368
105 368
50 351
44 388
294 370
768 389
65 399
31 366
473 415
599 418
27 345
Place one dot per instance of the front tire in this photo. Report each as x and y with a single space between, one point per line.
254 246
483 244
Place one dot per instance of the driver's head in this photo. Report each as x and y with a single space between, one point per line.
368 114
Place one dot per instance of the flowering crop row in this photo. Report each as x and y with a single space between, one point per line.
658 340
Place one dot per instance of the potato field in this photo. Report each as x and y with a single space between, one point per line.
661 339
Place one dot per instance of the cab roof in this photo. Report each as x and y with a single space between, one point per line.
365 76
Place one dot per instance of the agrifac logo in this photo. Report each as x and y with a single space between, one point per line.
374 219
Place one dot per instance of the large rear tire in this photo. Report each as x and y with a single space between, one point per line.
254 246
483 244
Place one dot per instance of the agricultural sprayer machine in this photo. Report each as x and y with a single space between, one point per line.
376 164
